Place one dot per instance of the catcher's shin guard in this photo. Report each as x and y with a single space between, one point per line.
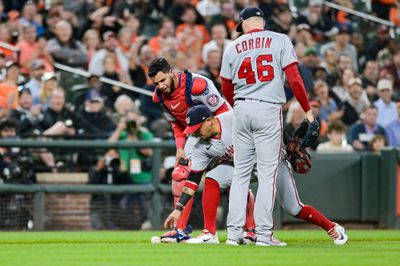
177 188
250 223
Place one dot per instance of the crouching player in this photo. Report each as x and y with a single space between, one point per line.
216 141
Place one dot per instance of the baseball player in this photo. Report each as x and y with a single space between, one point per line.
216 142
176 92
212 155
253 68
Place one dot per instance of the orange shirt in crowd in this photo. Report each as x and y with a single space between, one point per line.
26 52
9 92
155 44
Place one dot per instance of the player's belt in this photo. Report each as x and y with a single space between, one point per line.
256 100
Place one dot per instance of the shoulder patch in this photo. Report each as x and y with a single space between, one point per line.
199 86
155 97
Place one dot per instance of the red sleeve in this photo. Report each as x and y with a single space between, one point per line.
180 138
227 90
297 85
222 109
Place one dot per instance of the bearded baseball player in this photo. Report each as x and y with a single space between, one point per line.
253 72
212 155
216 142
176 92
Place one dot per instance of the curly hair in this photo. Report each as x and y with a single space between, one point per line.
158 64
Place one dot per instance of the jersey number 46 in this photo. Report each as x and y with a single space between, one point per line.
264 71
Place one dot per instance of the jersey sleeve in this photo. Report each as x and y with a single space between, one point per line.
288 54
226 71
210 97
200 158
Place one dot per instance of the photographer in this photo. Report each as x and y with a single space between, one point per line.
16 167
107 210
137 161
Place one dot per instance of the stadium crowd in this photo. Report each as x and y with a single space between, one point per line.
351 68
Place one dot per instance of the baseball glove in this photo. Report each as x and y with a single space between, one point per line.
296 154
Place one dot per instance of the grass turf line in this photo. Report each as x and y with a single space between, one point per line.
134 248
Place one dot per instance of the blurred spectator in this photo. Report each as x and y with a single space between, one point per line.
387 111
386 55
208 8
65 49
370 79
303 35
91 41
8 88
167 30
226 17
362 134
93 83
49 83
170 50
125 41
321 26
31 17
323 125
294 117
58 120
328 108
28 116
6 37
137 161
282 21
380 8
341 44
336 139
329 63
36 74
341 90
355 105
178 8
93 121
357 39
3 14
309 62
379 42
138 67
162 129
394 13
212 67
219 40
122 105
191 36
31 50
378 142
394 70
344 62
393 129
110 49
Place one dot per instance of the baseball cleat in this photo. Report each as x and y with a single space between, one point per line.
177 235
204 238
338 235
249 237
231 242
273 242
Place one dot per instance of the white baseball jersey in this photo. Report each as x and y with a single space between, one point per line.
206 150
255 62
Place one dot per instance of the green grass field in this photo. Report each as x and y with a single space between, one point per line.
134 248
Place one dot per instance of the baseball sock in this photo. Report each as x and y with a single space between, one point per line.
312 215
211 195
250 223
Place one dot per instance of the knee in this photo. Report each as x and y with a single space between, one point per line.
292 210
177 187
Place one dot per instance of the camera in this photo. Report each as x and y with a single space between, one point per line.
20 169
112 163
131 125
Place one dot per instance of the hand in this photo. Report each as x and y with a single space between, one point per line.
35 110
180 153
358 145
172 219
310 116
122 124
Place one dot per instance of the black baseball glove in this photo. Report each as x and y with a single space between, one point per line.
304 136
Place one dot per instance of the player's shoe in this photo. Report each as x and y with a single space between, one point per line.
177 235
231 242
249 237
273 242
204 238
338 235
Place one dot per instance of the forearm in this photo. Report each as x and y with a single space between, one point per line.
190 188
297 85
227 90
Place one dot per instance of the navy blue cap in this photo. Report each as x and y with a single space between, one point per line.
195 117
93 96
248 12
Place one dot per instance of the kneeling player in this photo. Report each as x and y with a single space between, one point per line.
216 140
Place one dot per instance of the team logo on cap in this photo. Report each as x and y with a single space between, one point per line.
188 120
212 100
